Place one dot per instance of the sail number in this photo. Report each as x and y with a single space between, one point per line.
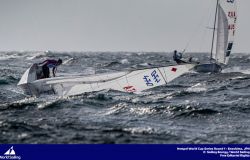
152 79
232 14
231 27
129 89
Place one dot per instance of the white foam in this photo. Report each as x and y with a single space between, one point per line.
239 69
115 108
47 103
6 57
134 130
199 87
142 110
36 55
23 135
124 61
145 64
239 77
68 61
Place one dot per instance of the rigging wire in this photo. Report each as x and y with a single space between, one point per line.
205 31
197 28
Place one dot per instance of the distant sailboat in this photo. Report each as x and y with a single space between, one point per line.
225 18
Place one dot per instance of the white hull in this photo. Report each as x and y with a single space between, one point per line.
128 81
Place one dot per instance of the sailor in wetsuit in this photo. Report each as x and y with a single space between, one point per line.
179 60
50 63
178 57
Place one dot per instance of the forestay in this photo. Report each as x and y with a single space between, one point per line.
226 27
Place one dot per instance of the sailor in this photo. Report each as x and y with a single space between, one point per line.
178 57
179 60
47 64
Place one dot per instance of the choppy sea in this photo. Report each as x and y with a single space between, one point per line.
194 108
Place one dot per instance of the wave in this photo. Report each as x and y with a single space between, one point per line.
11 55
51 101
20 104
140 130
8 80
197 112
142 110
124 61
36 55
116 109
3 82
110 64
48 104
197 88
239 69
68 61
142 65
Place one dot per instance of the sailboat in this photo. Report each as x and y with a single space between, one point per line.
225 19
131 81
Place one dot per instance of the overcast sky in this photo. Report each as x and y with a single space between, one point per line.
114 25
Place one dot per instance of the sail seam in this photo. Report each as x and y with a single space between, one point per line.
162 75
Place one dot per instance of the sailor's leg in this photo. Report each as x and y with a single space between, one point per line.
46 71
39 72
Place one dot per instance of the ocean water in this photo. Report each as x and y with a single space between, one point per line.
194 108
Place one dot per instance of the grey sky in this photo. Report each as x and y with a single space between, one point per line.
113 25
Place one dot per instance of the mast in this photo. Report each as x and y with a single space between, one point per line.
215 19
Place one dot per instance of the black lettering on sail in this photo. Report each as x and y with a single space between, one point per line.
229 48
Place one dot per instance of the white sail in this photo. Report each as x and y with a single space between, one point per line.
226 27
135 81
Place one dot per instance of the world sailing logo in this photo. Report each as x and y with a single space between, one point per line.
10 154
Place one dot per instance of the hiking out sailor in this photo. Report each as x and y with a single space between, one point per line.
177 56
47 65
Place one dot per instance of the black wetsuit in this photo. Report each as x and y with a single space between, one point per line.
46 65
177 58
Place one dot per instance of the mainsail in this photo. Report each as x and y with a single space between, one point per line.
226 26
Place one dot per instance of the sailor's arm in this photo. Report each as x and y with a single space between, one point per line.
43 62
54 71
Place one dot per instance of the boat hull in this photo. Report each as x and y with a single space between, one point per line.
208 68
134 81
